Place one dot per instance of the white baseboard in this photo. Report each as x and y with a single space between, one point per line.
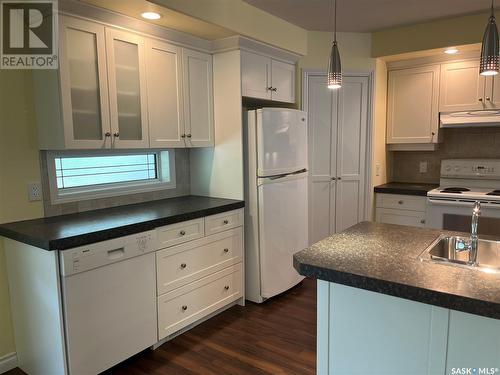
8 362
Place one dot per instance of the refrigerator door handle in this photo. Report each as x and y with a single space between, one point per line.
281 175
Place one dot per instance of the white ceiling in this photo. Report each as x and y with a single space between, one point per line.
367 15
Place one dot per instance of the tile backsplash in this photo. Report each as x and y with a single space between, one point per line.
183 187
465 143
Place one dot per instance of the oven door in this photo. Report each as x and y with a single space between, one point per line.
456 216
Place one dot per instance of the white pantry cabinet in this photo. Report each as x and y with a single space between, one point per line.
121 89
266 78
412 105
338 124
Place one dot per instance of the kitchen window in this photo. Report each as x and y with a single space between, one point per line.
87 175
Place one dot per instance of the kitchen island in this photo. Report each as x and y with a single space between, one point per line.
381 310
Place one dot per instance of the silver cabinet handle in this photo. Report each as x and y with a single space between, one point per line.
226 250
182 232
226 287
184 308
183 265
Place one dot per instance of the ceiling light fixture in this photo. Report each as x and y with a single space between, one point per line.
451 50
489 63
334 77
151 15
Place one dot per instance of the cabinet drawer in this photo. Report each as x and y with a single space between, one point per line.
402 202
401 217
182 264
220 222
175 234
183 306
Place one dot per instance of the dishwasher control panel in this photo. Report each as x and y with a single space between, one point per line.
99 254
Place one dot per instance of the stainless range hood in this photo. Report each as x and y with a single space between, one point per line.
469 119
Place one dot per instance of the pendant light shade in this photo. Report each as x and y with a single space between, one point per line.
489 64
334 77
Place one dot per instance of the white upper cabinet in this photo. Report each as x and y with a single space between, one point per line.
412 108
198 98
84 85
462 88
263 77
164 88
127 89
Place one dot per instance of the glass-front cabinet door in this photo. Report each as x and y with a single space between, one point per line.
127 89
84 90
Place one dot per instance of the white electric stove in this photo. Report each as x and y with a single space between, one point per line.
463 182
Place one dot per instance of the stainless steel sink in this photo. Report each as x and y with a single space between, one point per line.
443 250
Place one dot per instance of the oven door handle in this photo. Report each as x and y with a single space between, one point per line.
443 202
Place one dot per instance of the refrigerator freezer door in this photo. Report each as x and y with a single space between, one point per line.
283 230
281 141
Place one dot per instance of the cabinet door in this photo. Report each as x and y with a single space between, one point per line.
473 341
401 217
462 88
164 92
322 103
283 81
255 75
492 95
198 98
412 107
351 152
127 89
84 84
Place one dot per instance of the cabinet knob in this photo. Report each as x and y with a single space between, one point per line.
184 308
339 178
275 89
480 99
433 134
183 136
226 287
333 178
269 88
422 221
183 265
488 98
226 222
182 232
107 134
400 202
188 135
116 135
226 250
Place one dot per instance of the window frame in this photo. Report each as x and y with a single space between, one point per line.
74 194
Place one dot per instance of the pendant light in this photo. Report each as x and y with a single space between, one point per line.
334 78
489 63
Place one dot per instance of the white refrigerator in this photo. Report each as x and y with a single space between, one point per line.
276 213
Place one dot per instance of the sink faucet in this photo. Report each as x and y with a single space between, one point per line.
471 245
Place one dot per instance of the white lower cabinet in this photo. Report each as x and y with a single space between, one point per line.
187 304
400 209
199 275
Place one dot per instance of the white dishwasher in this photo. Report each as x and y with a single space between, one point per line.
109 301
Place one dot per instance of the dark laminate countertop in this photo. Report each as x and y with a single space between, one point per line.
384 258
405 188
67 231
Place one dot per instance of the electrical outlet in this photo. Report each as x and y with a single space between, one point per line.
377 169
34 192
423 167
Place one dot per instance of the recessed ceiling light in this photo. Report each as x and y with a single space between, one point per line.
151 15
451 50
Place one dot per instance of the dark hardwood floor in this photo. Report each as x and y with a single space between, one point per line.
276 337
